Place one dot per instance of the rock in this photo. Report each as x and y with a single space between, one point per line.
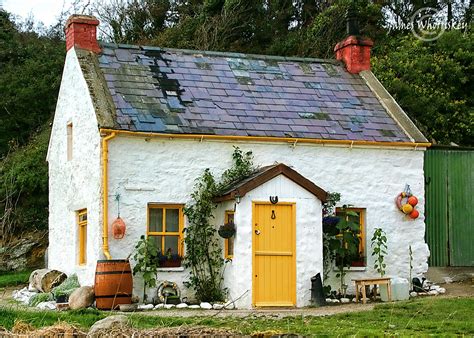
442 290
23 295
218 306
128 307
81 298
51 305
194 307
44 280
229 305
433 292
159 306
413 294
336 301
135 299
169 306
145 307
182 306
345 300
354 300
328 300
205 306
107 324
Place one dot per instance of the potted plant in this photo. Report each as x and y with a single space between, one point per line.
227 230
169 260
379 245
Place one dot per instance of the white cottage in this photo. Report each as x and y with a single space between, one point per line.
144 122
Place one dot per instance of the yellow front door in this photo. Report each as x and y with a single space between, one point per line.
274 254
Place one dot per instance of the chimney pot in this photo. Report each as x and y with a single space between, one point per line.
81 32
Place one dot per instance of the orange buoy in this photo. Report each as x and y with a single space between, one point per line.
414 214
412 200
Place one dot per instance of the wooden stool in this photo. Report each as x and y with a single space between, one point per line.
363 282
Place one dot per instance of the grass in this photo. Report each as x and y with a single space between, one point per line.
439 316
14 278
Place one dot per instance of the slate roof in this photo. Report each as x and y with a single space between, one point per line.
190 92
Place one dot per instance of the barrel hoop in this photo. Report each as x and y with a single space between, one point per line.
113 272
115 296
112 261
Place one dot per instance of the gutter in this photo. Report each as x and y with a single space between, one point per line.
105 191
289 140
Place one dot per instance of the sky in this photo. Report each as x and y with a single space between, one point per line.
43 10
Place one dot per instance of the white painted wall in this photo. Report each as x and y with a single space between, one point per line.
157 170
74 184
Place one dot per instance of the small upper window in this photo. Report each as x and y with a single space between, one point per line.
69 141
357 215
229 242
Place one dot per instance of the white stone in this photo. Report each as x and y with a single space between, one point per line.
159 306
345 300
194 307
217 306
175 164
328 300
413 294
145 307
182 306
229 305
433 292
336 301
441 290
169 306
51 305
354 300
101 327
205 306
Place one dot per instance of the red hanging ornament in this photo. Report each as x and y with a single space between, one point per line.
118 228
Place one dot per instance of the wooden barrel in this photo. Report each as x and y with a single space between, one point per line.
113 283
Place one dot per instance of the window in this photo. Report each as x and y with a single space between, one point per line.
359 218
82 224
229 242
165 228
69 141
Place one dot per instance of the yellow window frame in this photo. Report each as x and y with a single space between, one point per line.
82 229
362 232
226 241
164 233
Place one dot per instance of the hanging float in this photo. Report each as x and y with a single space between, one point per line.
118 225
406 202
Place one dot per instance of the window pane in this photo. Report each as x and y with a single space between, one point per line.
156 220
157 241
230 247
172 220
171 245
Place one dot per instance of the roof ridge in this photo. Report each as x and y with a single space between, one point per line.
222 54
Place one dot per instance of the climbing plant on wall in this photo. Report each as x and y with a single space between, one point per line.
204 255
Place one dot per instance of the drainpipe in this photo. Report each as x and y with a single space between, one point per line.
105 202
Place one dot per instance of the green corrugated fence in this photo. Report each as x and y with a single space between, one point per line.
449 179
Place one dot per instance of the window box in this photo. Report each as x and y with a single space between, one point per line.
173 261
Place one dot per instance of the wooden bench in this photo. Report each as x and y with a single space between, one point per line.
363 282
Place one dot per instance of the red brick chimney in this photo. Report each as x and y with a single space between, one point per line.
81 32
354 51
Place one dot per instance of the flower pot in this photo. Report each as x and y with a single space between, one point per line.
170 263
226 231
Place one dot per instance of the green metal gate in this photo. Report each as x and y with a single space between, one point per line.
449 178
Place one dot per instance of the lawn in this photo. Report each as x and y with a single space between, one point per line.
442 316
14 278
